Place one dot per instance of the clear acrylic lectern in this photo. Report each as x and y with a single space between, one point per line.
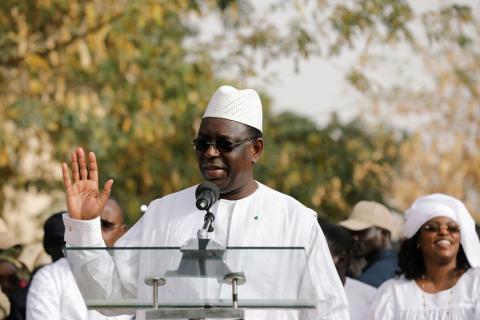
195 281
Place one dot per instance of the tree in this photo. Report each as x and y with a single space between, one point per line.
441 110
437 100
329 169
129 79
110 75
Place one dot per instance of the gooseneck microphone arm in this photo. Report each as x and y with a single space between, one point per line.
206 194
208 221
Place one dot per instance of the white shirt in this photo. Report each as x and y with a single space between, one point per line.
360 295
265 218
53 294
404 300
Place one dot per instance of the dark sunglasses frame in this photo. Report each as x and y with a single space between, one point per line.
435 227
107 225
222 145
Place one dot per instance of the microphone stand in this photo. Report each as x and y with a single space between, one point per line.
207 225
204 258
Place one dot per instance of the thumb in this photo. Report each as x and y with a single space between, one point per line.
107 188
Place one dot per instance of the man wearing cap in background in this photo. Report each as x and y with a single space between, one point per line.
370 225
228 144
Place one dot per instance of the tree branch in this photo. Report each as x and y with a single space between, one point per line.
14 61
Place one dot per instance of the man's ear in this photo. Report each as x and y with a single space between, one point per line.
385 236
257 149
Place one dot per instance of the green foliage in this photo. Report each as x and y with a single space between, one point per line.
118 78
116 81
329 169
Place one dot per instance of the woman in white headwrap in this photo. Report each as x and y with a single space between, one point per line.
439 265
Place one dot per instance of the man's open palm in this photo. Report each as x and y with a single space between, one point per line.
84 201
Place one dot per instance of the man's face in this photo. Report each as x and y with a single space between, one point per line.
9 281
367 241
231 171
341 261
112 223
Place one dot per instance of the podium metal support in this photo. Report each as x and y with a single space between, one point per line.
200 257
155 282
235 279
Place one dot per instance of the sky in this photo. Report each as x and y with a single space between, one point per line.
316 90
320 88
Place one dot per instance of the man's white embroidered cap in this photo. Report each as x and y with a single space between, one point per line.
242 106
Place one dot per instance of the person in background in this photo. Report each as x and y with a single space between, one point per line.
53 293
112 221
53 232
359 294
14 276
439 265
370 226
13 281
4 305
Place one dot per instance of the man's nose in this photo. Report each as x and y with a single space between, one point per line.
212 151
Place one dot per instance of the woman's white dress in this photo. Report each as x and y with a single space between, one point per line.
404 300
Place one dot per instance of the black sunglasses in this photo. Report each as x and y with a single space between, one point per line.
435 227
107 225
222 145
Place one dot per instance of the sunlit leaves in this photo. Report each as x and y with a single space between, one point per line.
118 78
111 76
328 169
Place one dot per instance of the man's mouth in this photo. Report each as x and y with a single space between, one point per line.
212 172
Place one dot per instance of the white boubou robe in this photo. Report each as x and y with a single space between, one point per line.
402 299
266 218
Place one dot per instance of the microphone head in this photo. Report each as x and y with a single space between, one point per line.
206 194
207 185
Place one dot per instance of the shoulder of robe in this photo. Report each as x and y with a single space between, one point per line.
293 204
171 198
393 284
472 276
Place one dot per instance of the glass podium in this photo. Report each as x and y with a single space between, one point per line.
198 280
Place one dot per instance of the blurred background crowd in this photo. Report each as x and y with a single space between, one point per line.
130 80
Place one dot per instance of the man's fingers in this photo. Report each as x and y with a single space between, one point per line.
106 191
75 170
82 164
92 164
66 177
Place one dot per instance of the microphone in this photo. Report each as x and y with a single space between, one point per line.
207 194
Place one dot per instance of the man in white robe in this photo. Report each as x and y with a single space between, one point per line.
248 213
360 295
53 292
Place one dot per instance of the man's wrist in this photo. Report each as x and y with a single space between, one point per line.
83 233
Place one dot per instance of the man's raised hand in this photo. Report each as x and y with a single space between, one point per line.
84 201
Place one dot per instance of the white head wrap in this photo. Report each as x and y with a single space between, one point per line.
436 205
242 106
